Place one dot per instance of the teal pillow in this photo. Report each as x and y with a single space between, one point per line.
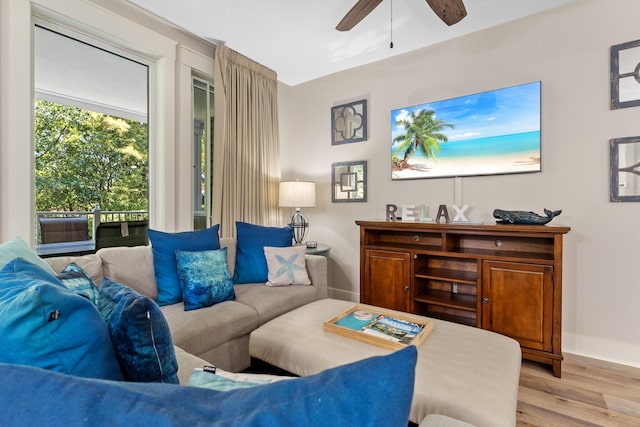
139 333
74 278
164 247
372 392
251 264
44 324
18 248
205 278
204 379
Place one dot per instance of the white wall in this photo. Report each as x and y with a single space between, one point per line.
568 50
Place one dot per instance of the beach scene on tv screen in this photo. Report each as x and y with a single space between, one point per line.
488 133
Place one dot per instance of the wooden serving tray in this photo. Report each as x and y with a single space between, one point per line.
393 338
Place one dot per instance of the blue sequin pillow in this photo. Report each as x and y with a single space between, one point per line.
74 278
139 333
205 278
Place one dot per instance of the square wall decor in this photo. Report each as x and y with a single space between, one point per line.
349 182
349 123
625 75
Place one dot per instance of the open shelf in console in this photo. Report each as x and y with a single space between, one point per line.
500 245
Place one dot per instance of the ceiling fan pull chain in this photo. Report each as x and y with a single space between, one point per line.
391 44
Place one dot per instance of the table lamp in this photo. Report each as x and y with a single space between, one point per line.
298 194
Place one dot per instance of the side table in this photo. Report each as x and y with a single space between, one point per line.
319 250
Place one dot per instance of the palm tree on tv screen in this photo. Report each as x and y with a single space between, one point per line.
422 131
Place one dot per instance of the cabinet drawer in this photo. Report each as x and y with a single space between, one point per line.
404 238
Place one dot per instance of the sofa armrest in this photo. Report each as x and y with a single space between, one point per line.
318 271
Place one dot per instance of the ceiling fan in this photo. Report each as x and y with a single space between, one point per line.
450 11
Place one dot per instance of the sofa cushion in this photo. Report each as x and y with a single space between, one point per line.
90 264
131 266
164 245
271 302
77 281
345 396
251 265
204 277
18 248
44 324
286 266
139 333
200 331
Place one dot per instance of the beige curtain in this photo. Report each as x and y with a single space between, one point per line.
246 172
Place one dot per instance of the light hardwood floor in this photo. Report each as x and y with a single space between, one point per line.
590 393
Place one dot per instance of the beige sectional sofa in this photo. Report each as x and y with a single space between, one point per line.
218 334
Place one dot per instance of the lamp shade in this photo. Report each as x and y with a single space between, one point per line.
297 194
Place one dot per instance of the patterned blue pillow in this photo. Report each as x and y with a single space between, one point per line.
139 333
44 324
251 265
205 278
74 278
164 247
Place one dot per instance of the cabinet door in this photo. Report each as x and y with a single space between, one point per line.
517 301
387 279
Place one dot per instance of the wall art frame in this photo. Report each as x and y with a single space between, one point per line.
349 182
624 154
349 123
625 75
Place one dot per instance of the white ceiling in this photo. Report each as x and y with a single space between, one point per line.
298 39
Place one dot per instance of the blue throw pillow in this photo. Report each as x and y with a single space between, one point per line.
164 247
373 392
18 248
74 278
251 264
205 278
139 333
44 324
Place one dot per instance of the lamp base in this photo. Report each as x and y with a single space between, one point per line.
300 224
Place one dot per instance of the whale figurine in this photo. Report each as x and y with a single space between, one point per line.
522 217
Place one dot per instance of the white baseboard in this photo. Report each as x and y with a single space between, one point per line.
600 348
343 295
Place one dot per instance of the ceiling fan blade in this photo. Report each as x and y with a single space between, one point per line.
357 14
450 11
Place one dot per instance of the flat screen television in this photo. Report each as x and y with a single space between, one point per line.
487 133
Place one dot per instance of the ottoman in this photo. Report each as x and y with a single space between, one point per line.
462 372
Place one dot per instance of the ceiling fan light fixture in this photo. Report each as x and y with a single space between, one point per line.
449 11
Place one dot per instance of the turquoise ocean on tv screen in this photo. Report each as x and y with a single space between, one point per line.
526 142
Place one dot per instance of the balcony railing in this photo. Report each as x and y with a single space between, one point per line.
75 231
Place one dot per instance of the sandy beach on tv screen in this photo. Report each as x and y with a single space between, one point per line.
468 166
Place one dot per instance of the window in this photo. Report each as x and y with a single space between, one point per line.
202 91
91 137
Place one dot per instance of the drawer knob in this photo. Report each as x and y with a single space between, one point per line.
416 238
405 288
498 243
485 300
